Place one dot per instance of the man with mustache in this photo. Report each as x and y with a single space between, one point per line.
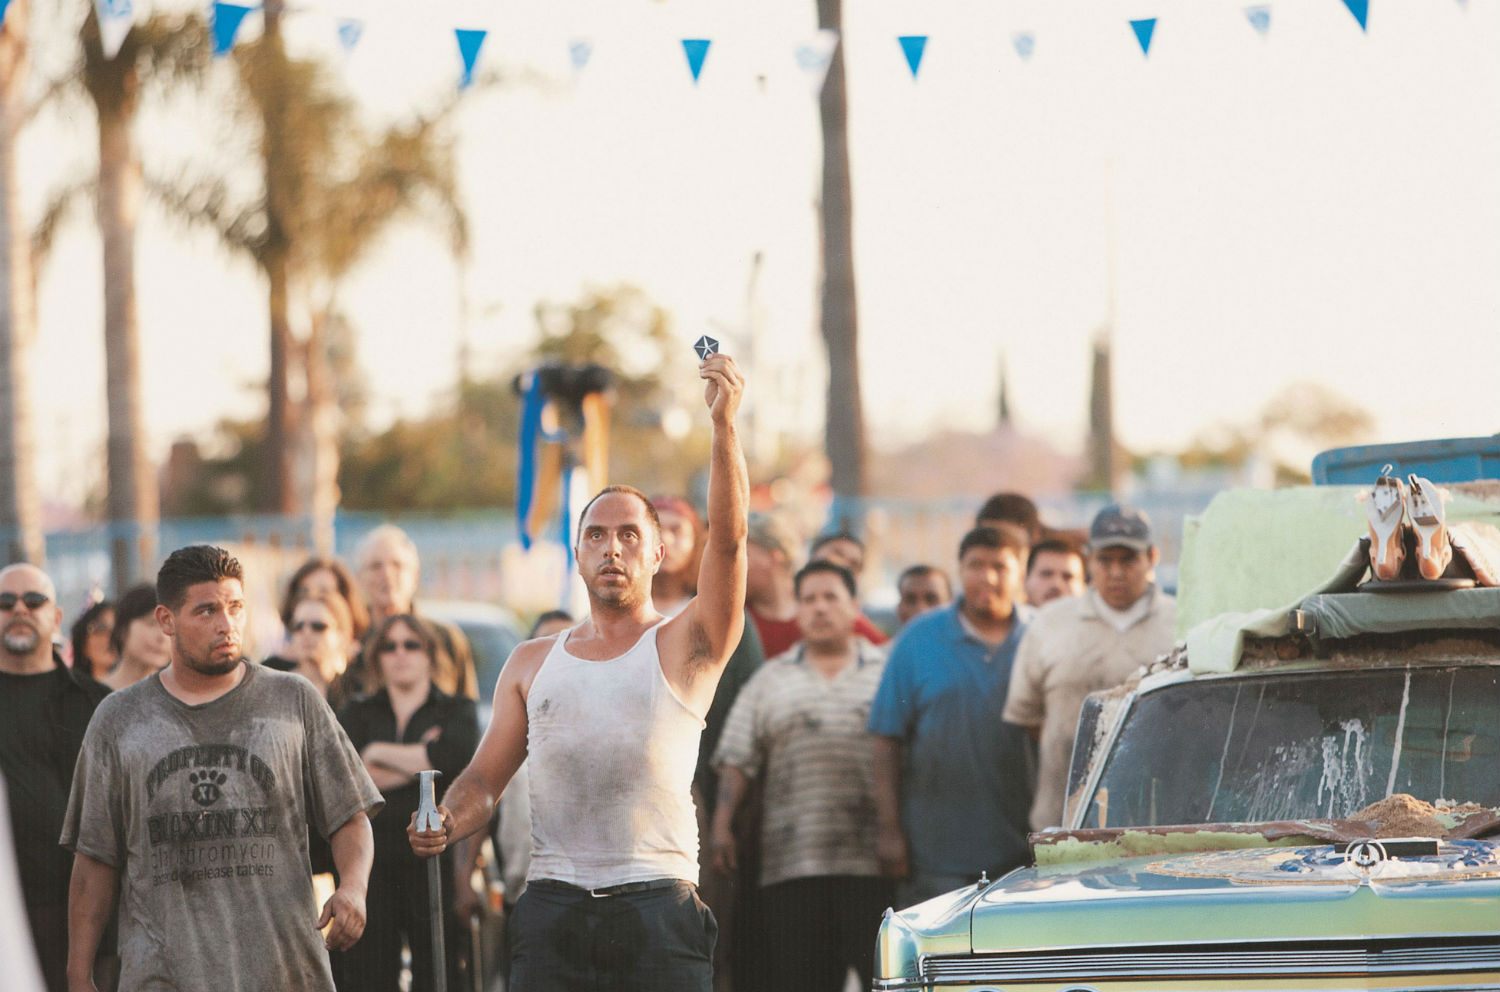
193 796
44 709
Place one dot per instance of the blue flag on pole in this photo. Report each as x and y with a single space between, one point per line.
226 18
1260 17
1025 43
913 45
1360 9
696 50
469 43
1144 29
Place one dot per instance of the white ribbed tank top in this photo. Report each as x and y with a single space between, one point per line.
611 751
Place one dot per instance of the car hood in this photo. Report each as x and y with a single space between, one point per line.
1269 893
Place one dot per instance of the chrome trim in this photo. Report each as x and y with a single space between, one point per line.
1102 754
1287 962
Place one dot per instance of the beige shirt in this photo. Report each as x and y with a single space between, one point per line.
1070 650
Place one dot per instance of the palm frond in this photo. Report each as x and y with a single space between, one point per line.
56 213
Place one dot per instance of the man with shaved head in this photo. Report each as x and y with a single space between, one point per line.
44 709
607 716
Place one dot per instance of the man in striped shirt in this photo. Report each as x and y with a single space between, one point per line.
799 723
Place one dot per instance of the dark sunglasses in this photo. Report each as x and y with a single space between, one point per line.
33 600
388 646
318 626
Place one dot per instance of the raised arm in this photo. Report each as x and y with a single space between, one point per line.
704 635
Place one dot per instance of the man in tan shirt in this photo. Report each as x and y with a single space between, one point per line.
1081 644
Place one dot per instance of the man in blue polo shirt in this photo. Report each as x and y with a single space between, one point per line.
952 779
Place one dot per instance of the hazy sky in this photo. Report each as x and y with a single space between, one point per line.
1318 204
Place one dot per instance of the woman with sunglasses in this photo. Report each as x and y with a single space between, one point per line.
406 725
318 639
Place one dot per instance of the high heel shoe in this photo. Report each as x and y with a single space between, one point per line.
1385 508
1434 549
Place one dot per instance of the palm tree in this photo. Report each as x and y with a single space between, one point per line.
329 192
20 501
164 50
845 425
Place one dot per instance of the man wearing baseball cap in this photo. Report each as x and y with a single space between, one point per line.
1080 644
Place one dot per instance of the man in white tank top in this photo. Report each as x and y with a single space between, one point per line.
608 716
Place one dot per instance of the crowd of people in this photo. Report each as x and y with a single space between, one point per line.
719 777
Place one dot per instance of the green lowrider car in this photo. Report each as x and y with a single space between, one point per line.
1311 803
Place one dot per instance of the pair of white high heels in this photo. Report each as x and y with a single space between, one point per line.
1419 506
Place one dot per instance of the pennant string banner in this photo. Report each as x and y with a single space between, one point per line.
1144 29
226 18
1361 11
115 20
350 31
580 51
469 44
913 45
696 50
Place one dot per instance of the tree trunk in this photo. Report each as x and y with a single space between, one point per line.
280 484
845 430
133 504
134 509
20 501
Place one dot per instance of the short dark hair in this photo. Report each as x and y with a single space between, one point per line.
1012 508
1053 546
838 535
628 491
820 565
917 571
551 616
138 601
79 635
997 538
191 565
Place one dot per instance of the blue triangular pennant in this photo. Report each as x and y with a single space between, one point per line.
913 45
1144 29
1025 43
226 20
696 50
469 43
350 31
1260 17
1360 9
579 53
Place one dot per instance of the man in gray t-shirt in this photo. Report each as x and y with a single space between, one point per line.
193 794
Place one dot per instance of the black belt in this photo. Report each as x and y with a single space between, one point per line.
625 888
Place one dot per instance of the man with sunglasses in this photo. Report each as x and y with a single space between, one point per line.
44 709
608 717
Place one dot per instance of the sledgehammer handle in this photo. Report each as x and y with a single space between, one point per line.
428 818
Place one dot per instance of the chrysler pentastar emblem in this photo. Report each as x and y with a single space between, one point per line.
1364 856
706 347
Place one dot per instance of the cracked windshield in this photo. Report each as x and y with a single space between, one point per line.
1300 747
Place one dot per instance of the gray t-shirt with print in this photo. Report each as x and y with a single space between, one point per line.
204 811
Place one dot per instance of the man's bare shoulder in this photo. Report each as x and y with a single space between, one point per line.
524 662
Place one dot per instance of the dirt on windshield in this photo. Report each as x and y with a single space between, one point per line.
1402 815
